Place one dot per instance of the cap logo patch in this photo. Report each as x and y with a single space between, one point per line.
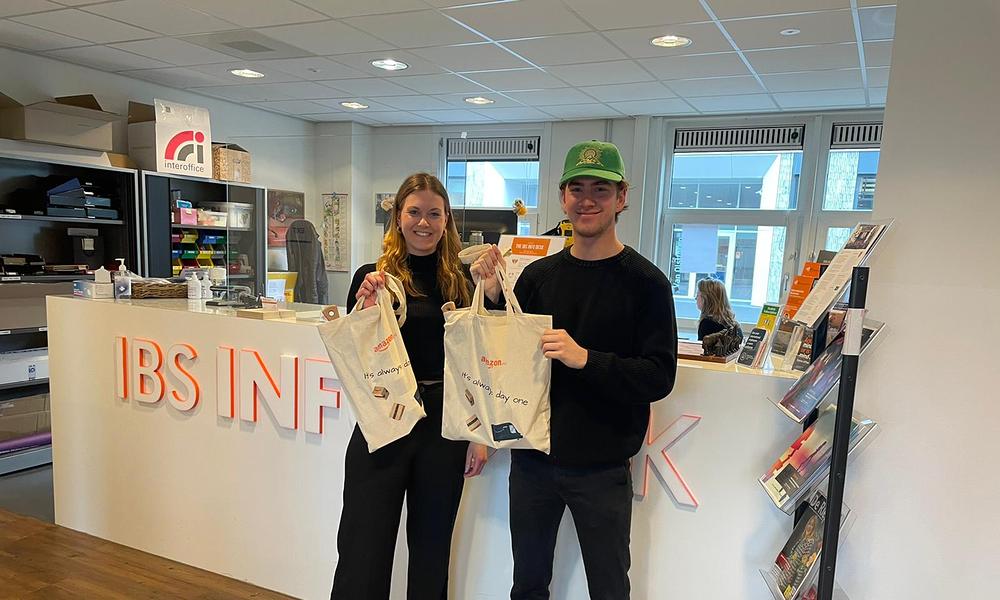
589 156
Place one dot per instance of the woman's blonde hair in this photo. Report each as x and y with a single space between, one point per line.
714 302
450 273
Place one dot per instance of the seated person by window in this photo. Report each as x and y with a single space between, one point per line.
718 329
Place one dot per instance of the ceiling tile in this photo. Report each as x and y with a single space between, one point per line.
83 25
414 29
582 111
878 76
10 8
731 9
705 38
247 45
294 107
526 18
402 118
325 38
823 99
670 106
362 62
372 105
106 58
306 90
521 113
876 96
471 57
517 79
716 86
453 116
26 37
178 77
813 80
175 52
353 8
552 97
161 17
257 14
878 54
371 86
650 90
861 2
750 102
878 23
439 84
78 2
221 72
816 28
697 65
415 103
638 13
566 49
313 68
806 58
248 93
458 101
611 72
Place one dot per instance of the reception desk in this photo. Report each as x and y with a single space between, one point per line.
219 442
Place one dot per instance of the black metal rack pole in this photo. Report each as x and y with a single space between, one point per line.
818 347
841 439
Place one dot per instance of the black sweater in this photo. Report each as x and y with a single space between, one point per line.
621 310
423 331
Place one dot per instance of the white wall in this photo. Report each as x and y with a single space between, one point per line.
925 494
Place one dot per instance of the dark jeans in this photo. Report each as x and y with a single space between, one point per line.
600 500
429 470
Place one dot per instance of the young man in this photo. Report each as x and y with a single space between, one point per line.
614 351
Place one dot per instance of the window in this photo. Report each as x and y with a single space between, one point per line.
736 180
731 192
491 173
850 180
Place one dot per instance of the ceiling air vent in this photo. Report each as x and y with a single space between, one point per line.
786 137
493 148
856 135
247 46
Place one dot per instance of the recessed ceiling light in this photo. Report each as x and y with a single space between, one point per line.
389 64
479 100
248 73
354 105
671 41
790 31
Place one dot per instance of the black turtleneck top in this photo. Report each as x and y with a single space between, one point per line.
423 331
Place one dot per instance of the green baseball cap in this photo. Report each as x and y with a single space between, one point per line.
593 159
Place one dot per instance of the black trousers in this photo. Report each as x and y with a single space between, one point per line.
600 500
429 471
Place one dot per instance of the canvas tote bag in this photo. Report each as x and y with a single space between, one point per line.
368 353
496 379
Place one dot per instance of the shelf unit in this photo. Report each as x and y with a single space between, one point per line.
24 181
169 247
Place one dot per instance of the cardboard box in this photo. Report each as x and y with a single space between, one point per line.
28 404
168 137
24 365
185 216
231 163
123 161
77 121
17 426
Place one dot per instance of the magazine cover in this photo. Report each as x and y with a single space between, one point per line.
807 460
795 570
821 376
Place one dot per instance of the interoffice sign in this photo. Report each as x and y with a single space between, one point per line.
183 139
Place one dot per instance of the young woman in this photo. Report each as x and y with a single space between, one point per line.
716 313
421 249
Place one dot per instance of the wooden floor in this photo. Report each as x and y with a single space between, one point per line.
43 561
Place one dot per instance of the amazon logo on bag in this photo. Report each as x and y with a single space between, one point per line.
384 344
491 363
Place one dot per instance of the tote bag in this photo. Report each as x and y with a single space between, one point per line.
496 379
368 353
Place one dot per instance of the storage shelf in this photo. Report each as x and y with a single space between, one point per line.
43 278
60 219
20 330
20 384
211 227
28 458
240 276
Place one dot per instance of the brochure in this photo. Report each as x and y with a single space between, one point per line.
519 251
807 460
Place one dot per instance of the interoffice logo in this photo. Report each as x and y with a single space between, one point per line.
186 151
